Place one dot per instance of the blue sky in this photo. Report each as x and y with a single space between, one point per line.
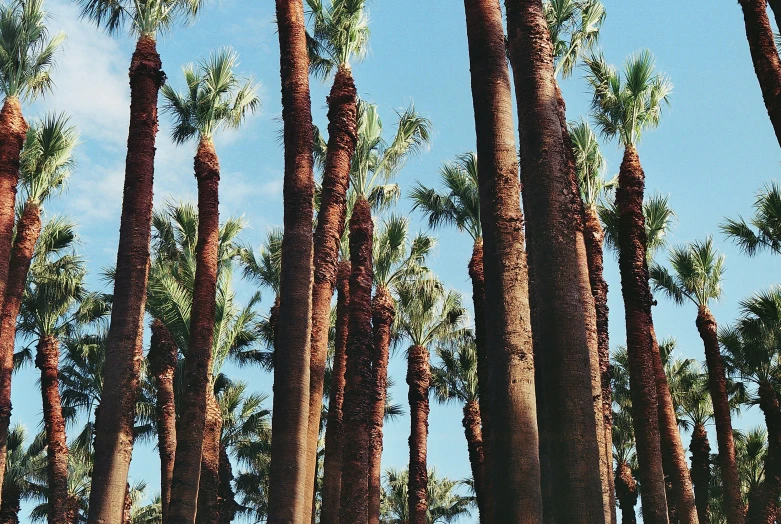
714 148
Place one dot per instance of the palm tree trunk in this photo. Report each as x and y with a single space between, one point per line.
763 502
227 505
717 385
27 232
334 431
639 324
114 425
342 137
47 360
764 55
383 313
10 506
209 484
163 357
626 493
289 481
562 318
775 5
474 442
700 450
419 381
358 390
198 361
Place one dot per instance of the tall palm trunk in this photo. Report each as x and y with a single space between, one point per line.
474 442
558 275
700 449
11 505
208 487
47 360
289 481
626 493
163 357
334 432
764 55
342 137
198 361
27 232
114 424
383 313
227 505
419 381
763 502
639 324
717 385
358 389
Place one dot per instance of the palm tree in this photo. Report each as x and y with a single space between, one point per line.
762 232
114 428
698 270
444 505
265 269
624 452
215 98
21 462
79 468
697 411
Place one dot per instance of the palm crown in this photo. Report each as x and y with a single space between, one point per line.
428 312
589 164
144 17
698 271
658 222
766 221
455 378
395 257
444 505
574 27
47 157
340 32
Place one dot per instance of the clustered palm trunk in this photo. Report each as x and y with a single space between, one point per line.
474 439
626 493
700 471
419 381
763 502
209 484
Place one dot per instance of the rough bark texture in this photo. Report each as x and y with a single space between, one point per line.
562 319
626 493
717 386
700 450
334 433
763 502
511 394
27 233
198 362
13 130
289 481
114 425
383 313
226 505
636 291
11 506
342 137
163 357
209 484
764 55
358 390
474 442
419 381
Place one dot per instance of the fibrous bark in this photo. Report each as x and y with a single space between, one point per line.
763 502
209 484
701 475
626 493
419 381
474 442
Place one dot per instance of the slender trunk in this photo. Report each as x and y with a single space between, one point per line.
27 232
700 449
717 385
334 434
289 481
163 357
511 395
763 503
198 361
383 313
474 442
354 505
563 319
227 505
626 493
342 137
639 324
13 130
114 425
764 55
10 506
127 507
209 484
419 381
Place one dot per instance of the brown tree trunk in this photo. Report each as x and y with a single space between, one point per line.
717 385
289 481
208 487
764 55
354 505
10 506
47 360
163 357
27 232
419 381
226 505
700 449
334 434
626 493
190 432
563 319
342 137
383 313
474 442
114 424
763 503
775 5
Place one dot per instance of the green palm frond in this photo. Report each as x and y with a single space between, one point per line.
144 17
444 504
574 27
763 231
455 377
659 218
427 312
396 257
47 157
589 164
339 32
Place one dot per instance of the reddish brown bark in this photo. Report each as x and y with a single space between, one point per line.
419 381
13 130
289 481
764 55
763 502
700 450
474 442
334 432
209 484
114 424
226 505
342 137
10 506
358 376
190 432
626 493
27 232
717 386
563 319
383 313
511 395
